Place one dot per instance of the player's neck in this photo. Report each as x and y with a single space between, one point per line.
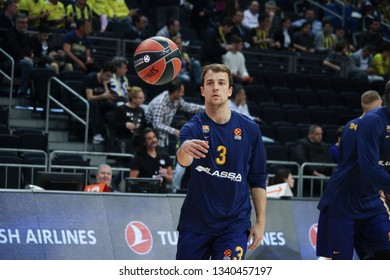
219 114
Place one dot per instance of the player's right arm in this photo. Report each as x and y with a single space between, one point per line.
190 150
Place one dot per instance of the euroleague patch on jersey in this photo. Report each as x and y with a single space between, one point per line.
237 133
139 238
227 254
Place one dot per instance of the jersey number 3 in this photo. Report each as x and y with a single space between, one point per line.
222 155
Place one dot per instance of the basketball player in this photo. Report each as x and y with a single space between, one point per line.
351 213
226 154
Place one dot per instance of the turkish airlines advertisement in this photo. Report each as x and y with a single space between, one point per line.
57 225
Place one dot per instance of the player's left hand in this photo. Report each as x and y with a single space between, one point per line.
256 235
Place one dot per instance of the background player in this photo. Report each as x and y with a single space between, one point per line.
351 213
227 159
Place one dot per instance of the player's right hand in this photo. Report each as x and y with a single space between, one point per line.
195 148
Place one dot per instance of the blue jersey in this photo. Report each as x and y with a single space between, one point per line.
218 199
353 189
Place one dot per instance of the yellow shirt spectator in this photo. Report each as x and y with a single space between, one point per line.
74 12
57 15
100 7
34 9
381 63
119 8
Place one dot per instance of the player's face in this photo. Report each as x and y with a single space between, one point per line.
216 89
104 176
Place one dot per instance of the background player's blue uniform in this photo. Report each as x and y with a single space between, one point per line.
351 200
217 200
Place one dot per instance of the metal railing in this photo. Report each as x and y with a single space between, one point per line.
69 111
315 181
8 77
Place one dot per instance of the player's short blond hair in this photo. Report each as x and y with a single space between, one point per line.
369 97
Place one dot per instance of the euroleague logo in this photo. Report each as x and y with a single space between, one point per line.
313 235
139 238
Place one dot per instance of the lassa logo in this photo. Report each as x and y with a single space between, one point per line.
139 238
313 235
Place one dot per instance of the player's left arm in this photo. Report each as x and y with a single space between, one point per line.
259 197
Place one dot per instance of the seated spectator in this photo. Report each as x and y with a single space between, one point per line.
325 40
100 99
260 35
312 149
283 175
310 16
119 83
44 53
337 59
7 17
237 103
216 42
360 65
340 37
271 9
150 162
56 14
138 32
130 120
170 30
121 19
191 68
303 40
373 35
251 15
77 10
101 12
283 36
36 11
17 44
235 60
240 29
104 175
381 62
76 47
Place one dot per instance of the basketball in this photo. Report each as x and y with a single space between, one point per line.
157 60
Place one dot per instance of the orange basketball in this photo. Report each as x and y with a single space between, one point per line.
157 60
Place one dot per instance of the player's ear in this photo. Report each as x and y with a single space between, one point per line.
230 91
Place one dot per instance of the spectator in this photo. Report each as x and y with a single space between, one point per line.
18 46
283 175
381 62
151 162
56 14
101 12
251 15
36 11
310 16
130 120
216 42
104 175
121 16
201 14
76 47
191 68
170 30
312 149
271 9
237 103
334 150
325 40
283 37
139 31
260 36
337 60
77 10
304 39
372 35
9 14
163 108
239 29
44 53
360 64
235 61
100 99
119 82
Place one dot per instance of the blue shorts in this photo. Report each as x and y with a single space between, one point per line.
196 246
337 237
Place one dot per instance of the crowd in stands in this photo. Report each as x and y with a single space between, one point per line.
356 46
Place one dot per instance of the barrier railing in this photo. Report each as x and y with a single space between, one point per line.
69 111
10 77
